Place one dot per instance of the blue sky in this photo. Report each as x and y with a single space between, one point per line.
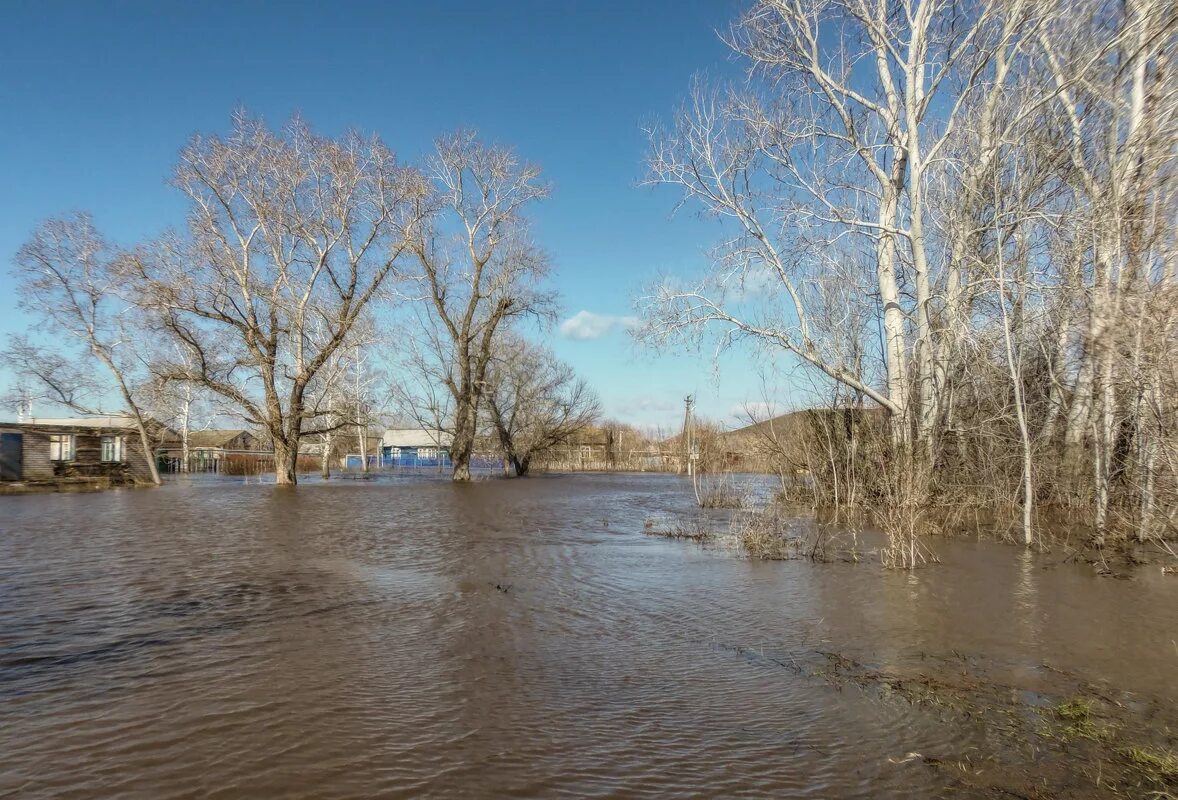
99 97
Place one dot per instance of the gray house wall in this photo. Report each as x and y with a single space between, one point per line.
87 461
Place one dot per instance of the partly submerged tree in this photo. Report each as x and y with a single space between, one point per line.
987 191
478 269
536 402
73 281
290 237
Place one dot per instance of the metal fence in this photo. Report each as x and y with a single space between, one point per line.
412 461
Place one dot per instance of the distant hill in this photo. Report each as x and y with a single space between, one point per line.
774 425
783 424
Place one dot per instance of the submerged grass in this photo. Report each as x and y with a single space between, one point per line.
1088 745
1074 719
720 492
694 529
777 534
1077 709
1160 766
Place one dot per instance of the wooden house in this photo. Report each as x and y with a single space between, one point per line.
415 447
211 450
106 448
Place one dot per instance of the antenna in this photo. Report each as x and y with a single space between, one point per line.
24 405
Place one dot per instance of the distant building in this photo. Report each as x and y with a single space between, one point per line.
589 449
47 450
207 450
415 447
219 441
214 444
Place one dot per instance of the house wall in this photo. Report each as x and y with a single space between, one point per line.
87 461
242 441
35 463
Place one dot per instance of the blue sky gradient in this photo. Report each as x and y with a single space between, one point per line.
98 99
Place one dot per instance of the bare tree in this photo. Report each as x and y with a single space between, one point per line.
964 213
72 280
826 160
536 402
478 268
290 236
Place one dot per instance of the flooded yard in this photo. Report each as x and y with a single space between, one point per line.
526 639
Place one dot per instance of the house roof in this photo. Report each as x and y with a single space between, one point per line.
213 438
97 421
415 437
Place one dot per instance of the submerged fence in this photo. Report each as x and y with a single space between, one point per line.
220 462
412 461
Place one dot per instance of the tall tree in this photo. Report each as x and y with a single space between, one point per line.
290 237
987 191
824 159
478 268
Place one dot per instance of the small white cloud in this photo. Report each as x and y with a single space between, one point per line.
585 325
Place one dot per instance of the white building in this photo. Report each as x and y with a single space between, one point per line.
419 444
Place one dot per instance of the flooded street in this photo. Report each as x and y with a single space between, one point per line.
510 638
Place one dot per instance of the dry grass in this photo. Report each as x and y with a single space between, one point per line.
774 534
765 536
720 491
1160 766
694 529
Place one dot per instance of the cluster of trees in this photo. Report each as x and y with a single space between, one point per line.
963 214
275 300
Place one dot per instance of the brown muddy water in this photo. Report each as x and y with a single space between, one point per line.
523 639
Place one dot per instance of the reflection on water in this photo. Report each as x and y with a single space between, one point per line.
512 638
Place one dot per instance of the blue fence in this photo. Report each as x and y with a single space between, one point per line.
439 462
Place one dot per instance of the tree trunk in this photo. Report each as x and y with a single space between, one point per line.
521 465
464 430
186 425
325 463
362 430
144 439
148 451
285 460
893 316
461 462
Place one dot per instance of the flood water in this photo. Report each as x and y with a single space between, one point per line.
504 638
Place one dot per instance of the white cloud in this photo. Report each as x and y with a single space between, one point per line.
585 325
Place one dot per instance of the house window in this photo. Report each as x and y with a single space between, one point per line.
427 452
61 447
112 448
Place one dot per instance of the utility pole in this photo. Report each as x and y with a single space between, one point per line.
689 444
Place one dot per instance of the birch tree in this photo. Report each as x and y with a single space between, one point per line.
829 155
988 188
